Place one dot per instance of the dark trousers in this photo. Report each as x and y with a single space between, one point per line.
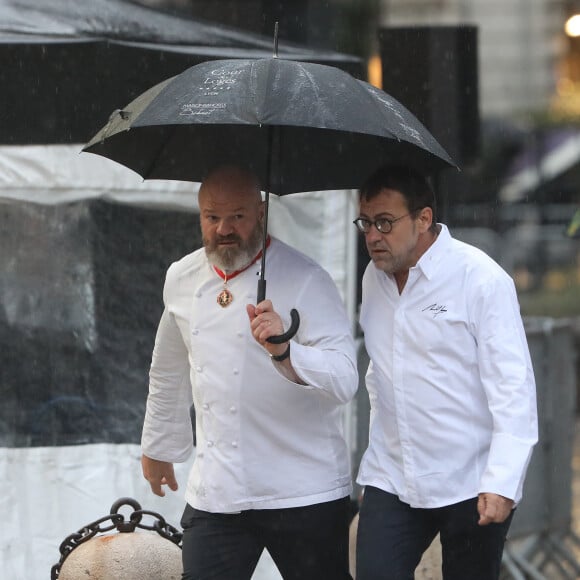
306 543
392 537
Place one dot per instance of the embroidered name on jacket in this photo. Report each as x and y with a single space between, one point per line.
435 309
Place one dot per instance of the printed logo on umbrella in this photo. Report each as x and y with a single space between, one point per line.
190 109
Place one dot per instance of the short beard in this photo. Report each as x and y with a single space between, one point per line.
234 258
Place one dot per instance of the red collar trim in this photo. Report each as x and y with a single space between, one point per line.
225 277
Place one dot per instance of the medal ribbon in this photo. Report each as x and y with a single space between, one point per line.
226 277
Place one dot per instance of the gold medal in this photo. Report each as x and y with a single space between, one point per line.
225 298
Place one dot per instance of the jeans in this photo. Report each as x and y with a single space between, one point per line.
392 537
306 543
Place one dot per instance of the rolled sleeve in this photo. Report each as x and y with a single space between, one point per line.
330 371
323 351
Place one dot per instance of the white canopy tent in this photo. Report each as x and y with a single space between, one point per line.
317 223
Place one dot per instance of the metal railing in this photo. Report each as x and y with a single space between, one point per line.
541 542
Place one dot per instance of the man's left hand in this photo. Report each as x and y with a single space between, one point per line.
493 508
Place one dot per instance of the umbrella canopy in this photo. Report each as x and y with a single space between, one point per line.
299 126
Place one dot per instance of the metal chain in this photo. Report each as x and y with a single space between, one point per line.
122 525
164 529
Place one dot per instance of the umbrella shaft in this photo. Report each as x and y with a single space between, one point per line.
262 281
261 290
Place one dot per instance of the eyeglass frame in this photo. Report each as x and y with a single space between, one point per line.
377 223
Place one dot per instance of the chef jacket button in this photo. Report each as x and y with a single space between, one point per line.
198 369
198 294
233 409
195 332
236 372
240 333
205 406
210 443
234 443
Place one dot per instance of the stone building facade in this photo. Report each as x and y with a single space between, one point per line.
520 42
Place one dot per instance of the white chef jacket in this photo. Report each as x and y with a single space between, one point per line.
450 382
262 440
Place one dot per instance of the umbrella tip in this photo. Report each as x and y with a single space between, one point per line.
276 39
119 113
125 115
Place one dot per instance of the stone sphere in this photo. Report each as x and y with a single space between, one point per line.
130 556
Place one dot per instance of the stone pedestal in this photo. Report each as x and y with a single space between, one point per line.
130 556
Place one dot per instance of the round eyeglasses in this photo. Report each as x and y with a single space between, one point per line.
383 225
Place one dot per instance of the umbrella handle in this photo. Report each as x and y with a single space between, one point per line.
294 316
286 336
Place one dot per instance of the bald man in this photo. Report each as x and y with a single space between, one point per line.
271 468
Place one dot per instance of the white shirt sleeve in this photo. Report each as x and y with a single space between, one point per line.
508 380
323 352
167 429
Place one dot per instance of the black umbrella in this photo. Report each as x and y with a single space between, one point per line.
299 126
331 130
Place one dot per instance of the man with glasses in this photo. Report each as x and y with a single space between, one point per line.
451 387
